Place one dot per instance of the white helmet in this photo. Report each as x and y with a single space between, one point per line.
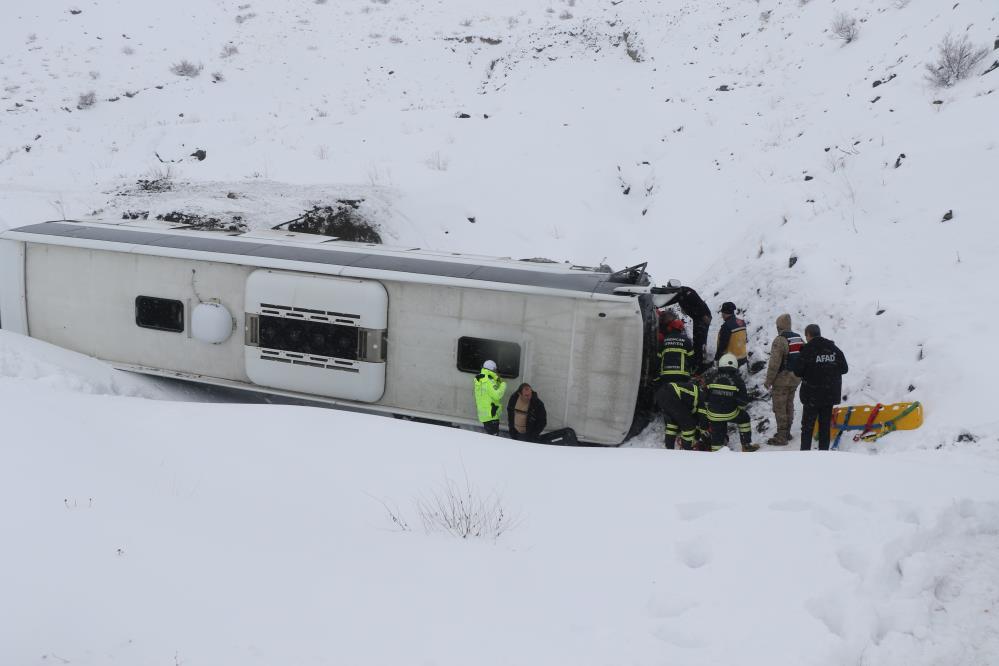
491 365
728 361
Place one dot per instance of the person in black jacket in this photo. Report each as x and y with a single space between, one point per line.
692 305
679 402
675 354
821 367
726 401
527 418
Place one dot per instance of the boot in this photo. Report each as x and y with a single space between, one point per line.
670 442
749 448
780 439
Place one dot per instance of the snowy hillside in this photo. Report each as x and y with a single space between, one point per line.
740 146
715 139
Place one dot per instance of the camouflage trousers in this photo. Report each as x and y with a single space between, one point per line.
783 405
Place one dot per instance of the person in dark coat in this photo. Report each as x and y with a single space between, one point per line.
680 403
527 418
692 305
675 354
726 401
821 367
732 338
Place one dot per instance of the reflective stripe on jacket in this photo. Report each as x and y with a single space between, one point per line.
725 395
692 392
674 359
686 394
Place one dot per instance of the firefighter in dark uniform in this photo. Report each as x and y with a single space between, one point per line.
680 402
725 402
694 307
675 362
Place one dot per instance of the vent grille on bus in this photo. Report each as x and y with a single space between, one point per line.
322 362
308 314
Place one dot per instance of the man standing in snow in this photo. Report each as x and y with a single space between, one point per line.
781 381
725 401
489 390
732 335
692 305
821 368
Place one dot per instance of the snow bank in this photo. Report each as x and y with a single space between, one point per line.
32 364
151 532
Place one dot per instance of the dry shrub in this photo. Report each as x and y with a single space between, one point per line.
957 57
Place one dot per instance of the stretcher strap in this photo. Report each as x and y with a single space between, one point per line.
873 433
846 419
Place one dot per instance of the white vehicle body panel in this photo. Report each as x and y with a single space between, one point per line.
359 306
13 305
581 349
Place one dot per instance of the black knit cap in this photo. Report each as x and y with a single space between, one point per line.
728 307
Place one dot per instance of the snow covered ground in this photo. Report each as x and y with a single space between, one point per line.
154 532
739 146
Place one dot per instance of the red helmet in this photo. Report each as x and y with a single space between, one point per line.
675 325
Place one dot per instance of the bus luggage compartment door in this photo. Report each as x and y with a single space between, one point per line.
316 334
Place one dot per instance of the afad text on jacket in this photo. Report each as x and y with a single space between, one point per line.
821 367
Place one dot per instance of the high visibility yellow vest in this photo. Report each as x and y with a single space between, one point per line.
489 390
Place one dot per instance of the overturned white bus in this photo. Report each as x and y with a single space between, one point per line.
392 330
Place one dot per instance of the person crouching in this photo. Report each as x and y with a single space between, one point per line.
679 402
527 418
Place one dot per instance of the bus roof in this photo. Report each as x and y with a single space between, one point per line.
257 246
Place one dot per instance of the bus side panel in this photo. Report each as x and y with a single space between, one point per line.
13 305
426 322
607 358
85 300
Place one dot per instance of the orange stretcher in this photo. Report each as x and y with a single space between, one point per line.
871 422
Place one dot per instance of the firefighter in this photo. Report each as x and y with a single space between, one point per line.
489 390
675 357
732 335
725 402
680 402
692 305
